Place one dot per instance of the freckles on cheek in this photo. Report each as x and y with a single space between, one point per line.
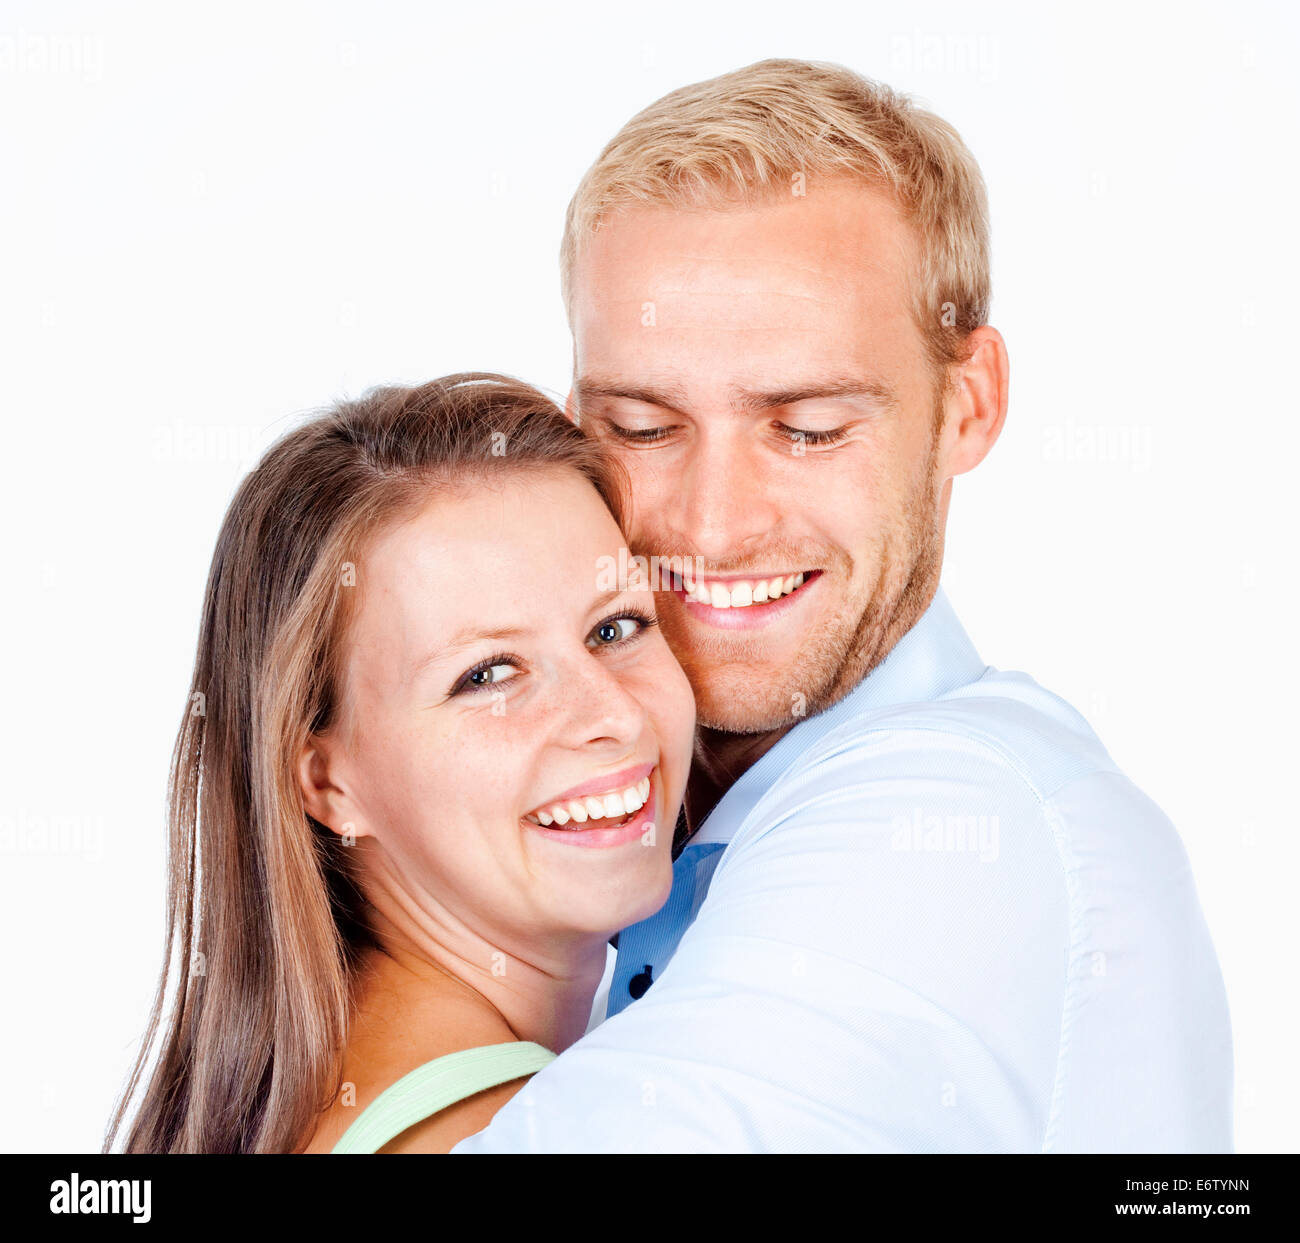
394 749
494 722
479 750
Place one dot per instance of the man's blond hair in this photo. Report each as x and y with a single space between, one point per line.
774 128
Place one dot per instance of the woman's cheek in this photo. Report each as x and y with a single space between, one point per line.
673 691
670 705
502 718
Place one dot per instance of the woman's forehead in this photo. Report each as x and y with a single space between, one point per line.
481 558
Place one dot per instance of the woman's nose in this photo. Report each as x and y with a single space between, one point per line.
599 707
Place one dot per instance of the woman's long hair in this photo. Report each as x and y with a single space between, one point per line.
264 920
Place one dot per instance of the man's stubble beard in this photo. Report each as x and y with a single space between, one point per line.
737 699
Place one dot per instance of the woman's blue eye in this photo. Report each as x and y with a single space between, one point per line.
615 629
489 675
502 668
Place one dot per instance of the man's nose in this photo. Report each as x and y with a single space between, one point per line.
723 502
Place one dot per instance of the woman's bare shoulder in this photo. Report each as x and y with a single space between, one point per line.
378 1057
442 1132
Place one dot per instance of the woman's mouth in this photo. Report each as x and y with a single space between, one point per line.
599 812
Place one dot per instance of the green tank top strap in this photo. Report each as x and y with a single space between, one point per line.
437 1084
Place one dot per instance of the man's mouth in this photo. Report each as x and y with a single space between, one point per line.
722 601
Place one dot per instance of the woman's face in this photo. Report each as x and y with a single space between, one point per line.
492 686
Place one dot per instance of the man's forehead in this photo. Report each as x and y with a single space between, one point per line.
772 293
765 345
839 233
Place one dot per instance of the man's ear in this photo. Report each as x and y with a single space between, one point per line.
976 405
323 799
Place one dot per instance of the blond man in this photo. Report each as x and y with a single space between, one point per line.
916 906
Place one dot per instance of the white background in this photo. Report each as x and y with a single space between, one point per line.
213 221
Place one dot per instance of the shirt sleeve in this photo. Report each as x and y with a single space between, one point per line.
879 966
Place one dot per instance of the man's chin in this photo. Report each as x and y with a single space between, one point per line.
759 687
748 704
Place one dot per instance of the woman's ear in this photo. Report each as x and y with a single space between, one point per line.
323 799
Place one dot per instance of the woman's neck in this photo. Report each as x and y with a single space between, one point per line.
414 1001
455 985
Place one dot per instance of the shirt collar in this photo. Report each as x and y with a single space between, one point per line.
934 657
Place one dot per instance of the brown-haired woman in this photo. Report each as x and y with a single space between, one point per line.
427 768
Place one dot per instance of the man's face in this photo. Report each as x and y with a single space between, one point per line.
759 372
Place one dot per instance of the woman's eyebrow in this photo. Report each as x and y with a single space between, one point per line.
468 636
605 598
472 634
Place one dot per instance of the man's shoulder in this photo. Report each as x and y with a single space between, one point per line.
1020 729
1001 746
1000 759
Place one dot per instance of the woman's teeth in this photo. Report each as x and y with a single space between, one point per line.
741 593
594 806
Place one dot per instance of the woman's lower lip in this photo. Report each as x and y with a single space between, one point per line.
632 831
749 617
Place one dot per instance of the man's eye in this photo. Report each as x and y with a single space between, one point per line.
637 435
489 674
618 629
806 436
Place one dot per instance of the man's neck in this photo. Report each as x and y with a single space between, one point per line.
720 761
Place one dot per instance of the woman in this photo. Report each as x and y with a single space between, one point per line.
428 768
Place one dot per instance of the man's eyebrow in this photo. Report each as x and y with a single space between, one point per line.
875 391
668 397
746 399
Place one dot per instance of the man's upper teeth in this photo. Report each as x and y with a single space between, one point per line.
594 806
742 592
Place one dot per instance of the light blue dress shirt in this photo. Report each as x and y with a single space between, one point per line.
933 918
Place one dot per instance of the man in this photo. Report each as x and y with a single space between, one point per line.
919 909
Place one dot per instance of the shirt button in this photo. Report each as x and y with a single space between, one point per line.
638 984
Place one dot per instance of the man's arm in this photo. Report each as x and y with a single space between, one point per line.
879 966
